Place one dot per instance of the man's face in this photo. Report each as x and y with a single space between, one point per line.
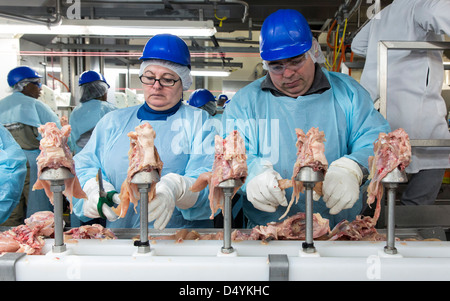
292 76
33 89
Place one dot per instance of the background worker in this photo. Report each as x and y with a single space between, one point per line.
221 100
93 106
203 99
22 113
415 77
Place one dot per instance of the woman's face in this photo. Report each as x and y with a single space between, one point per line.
159 97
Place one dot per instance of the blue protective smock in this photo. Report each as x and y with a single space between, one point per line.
184 144
13 169
84 118
345 113
19 108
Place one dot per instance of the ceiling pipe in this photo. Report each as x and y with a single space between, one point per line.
169 3
345 11
56 22
245 4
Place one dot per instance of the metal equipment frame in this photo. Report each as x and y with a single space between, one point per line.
438 212
383 48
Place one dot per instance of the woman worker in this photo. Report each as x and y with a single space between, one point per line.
93 106
185 147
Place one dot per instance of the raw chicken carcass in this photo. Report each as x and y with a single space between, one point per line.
391 151
42 222
142 156
310 153
179 236
8 243
230 162
55 153
293 227
94 231
26 238
362 228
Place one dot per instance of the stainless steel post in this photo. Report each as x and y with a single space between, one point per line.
308 245
390 240
56 178
228 187
309 177
57 187
144 245
390 182
227 248
144 180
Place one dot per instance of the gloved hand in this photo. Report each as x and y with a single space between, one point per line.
341 185
172 190
90 205
264 193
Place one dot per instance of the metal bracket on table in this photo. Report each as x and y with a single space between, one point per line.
7 266
278 267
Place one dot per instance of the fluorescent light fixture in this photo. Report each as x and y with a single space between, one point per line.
218 73
113 28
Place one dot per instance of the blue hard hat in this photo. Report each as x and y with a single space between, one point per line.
222 96
91 76
200 97
284 34
167 47
20 73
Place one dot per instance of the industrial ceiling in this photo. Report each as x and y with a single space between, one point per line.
229 16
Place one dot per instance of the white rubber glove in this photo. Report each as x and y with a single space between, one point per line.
90 205
341 185
264 193
172 190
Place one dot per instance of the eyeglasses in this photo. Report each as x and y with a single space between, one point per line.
292 64
165 82
39 84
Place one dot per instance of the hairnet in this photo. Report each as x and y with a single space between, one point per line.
183 71
210 107
93 90
18 87
316 52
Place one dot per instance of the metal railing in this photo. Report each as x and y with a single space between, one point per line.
383 48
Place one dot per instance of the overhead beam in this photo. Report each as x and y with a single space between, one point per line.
116 47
